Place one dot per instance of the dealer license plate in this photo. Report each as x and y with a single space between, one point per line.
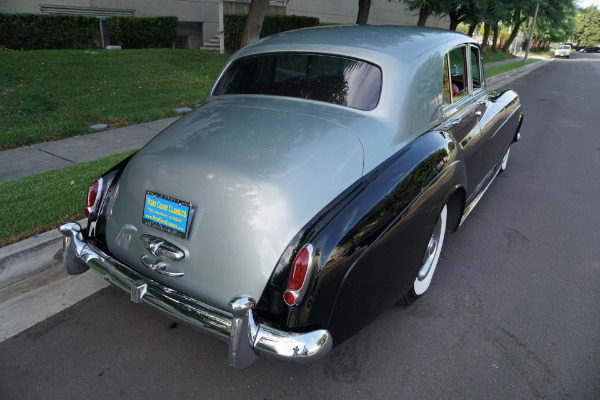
167 214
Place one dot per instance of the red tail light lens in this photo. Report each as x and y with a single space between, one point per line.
299 268
297 279
92 198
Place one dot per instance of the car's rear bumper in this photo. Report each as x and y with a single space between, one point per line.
246 337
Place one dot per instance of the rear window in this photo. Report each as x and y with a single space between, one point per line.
332 79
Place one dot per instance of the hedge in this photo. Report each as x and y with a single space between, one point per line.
234 27
42 31
143 32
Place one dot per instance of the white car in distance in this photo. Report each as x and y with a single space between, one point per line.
563 50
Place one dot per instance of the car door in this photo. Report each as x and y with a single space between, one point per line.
465 100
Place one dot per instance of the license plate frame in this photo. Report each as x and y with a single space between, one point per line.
167 214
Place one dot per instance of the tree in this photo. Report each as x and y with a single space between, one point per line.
460 11
491 14
556 23
254 22
426 8
587 28
364 6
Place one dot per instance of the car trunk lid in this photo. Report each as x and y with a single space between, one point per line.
251 177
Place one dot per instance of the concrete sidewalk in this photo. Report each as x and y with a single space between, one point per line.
33 255
23 161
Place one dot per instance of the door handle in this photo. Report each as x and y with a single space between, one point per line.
159 266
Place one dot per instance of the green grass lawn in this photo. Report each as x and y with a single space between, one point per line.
38 203
493 57
498 69
53 94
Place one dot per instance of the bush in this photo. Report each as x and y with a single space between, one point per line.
234 27
143 32
40 31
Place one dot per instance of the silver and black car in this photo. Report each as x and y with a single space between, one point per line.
310 192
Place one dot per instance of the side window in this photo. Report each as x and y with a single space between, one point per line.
475 68
459 85
446 97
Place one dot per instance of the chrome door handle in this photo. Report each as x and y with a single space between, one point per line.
161 248
159 266
478 113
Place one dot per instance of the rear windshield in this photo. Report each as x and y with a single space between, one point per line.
336 80
564 46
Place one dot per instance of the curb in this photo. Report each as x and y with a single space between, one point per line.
513 74
31 256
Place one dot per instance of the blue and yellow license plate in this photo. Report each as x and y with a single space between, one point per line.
167 214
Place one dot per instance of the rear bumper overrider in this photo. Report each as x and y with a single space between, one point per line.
247 338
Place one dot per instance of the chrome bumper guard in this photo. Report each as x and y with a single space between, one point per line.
247 339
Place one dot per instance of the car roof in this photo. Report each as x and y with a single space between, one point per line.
370 42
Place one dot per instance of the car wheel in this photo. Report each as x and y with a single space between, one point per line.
430 260
504 161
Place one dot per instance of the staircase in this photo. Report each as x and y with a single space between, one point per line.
213 44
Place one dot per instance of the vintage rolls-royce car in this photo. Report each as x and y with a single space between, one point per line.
309 193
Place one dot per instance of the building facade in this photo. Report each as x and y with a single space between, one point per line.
201 21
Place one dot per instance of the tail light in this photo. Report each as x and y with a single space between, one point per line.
93 197
298 278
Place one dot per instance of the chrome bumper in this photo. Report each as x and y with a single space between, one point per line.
247 339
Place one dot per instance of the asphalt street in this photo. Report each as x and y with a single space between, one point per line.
512 312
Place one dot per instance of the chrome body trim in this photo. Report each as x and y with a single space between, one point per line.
161 248
159 266
474 202
247 338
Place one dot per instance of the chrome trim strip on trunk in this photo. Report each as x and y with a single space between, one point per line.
247 339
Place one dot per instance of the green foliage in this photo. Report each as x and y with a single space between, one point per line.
49 198
39 31
54 94
234 26
143 32
588 26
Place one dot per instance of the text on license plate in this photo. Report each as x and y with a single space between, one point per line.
166 213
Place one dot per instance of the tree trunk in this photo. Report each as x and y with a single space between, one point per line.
364 6
486 36
254 22
513 34
454 21
495 39
423 15
472 28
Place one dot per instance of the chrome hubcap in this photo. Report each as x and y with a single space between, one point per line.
505 160
431 251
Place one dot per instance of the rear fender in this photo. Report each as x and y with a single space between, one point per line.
356 221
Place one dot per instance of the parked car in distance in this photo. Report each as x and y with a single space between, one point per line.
563 50
590 50
312 190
